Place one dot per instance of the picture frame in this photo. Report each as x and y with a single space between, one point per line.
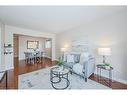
32 44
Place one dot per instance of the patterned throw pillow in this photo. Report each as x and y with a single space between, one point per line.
70 58
76 58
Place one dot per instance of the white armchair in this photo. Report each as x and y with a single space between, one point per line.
83 66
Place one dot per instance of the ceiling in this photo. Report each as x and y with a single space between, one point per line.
54 19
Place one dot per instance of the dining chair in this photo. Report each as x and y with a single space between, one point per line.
29 57
38 57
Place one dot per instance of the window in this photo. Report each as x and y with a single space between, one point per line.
48 44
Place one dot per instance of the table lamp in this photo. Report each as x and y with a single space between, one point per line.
63 51
104 52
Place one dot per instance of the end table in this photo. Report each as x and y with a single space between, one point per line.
101 67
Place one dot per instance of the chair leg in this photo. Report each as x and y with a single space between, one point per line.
71 72
85 79
38 60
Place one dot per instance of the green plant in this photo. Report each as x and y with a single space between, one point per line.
107 64
60 62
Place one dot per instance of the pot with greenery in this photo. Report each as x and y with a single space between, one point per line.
107 66
60 62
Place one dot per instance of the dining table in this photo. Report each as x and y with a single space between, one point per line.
33 57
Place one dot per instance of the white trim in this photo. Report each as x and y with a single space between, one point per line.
57 59
48 57
120 80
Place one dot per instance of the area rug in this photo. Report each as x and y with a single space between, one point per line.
40 79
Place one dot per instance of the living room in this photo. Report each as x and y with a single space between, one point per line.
98 32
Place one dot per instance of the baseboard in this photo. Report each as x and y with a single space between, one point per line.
10 68
115 79
48 57
56 60
120 80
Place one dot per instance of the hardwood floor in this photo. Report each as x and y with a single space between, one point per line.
21 68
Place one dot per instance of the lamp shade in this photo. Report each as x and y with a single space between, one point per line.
104 51
63 49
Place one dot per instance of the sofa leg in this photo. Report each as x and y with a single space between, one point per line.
71 72
85 79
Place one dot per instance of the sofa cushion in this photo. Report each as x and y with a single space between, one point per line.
77 68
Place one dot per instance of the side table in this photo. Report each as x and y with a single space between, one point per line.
57 75
101 67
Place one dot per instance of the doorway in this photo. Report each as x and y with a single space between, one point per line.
21 45
16 46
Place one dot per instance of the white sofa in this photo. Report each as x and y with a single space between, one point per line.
81 64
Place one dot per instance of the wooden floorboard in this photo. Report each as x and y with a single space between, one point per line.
20 67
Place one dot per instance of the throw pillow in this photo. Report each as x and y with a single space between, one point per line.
76 58
70 58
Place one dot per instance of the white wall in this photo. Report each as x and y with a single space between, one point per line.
1 46
110 31
23 45
10 30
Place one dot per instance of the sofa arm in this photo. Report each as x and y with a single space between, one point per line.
89 67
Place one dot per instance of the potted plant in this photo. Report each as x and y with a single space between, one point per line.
107 66
60 62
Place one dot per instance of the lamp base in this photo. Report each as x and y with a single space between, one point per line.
104 58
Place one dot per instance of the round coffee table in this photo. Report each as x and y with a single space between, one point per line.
59 75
